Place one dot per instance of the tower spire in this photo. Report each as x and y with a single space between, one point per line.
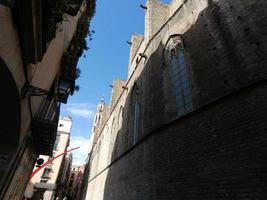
101 104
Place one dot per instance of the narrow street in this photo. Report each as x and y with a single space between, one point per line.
133 100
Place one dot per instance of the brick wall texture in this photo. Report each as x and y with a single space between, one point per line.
217 152
218 149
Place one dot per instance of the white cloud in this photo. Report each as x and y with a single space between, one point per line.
79 155
84 110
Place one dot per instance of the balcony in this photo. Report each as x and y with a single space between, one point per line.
37 22
73 7
82 31
44 127
48 186
8 3
28 17
67 77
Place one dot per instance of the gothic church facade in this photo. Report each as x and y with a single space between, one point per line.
190 120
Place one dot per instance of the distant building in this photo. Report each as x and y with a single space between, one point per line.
62 189
50 182
75 182
190 120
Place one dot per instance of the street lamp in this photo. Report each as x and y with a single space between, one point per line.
64 90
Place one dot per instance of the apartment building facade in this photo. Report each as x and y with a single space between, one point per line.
47 183
40 44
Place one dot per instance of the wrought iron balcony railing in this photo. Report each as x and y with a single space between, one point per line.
67 77
44 127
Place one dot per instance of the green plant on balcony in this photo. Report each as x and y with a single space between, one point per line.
69 72
78 73
55 11
79 39
76 88
54 17
73 7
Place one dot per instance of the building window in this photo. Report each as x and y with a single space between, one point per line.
56 142
99 146
179 76
71 183
46 173
136 121
96 117
112 137
107 133
72 175
120 118
135 113
113 126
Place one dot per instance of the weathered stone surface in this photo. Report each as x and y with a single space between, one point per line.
217 150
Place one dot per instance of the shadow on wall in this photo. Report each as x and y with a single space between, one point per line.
9 119
209 153
144 100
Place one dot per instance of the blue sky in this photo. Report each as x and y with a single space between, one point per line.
107 59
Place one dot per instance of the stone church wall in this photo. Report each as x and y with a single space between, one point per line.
215 150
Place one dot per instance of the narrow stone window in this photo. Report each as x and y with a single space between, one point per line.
120 118
136 121
107 133
112 139
179 74
135 113
113 126
99 146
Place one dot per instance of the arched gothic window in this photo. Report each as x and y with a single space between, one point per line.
113 126
120 118
112 139
99 146
135 113
107 132
179 74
